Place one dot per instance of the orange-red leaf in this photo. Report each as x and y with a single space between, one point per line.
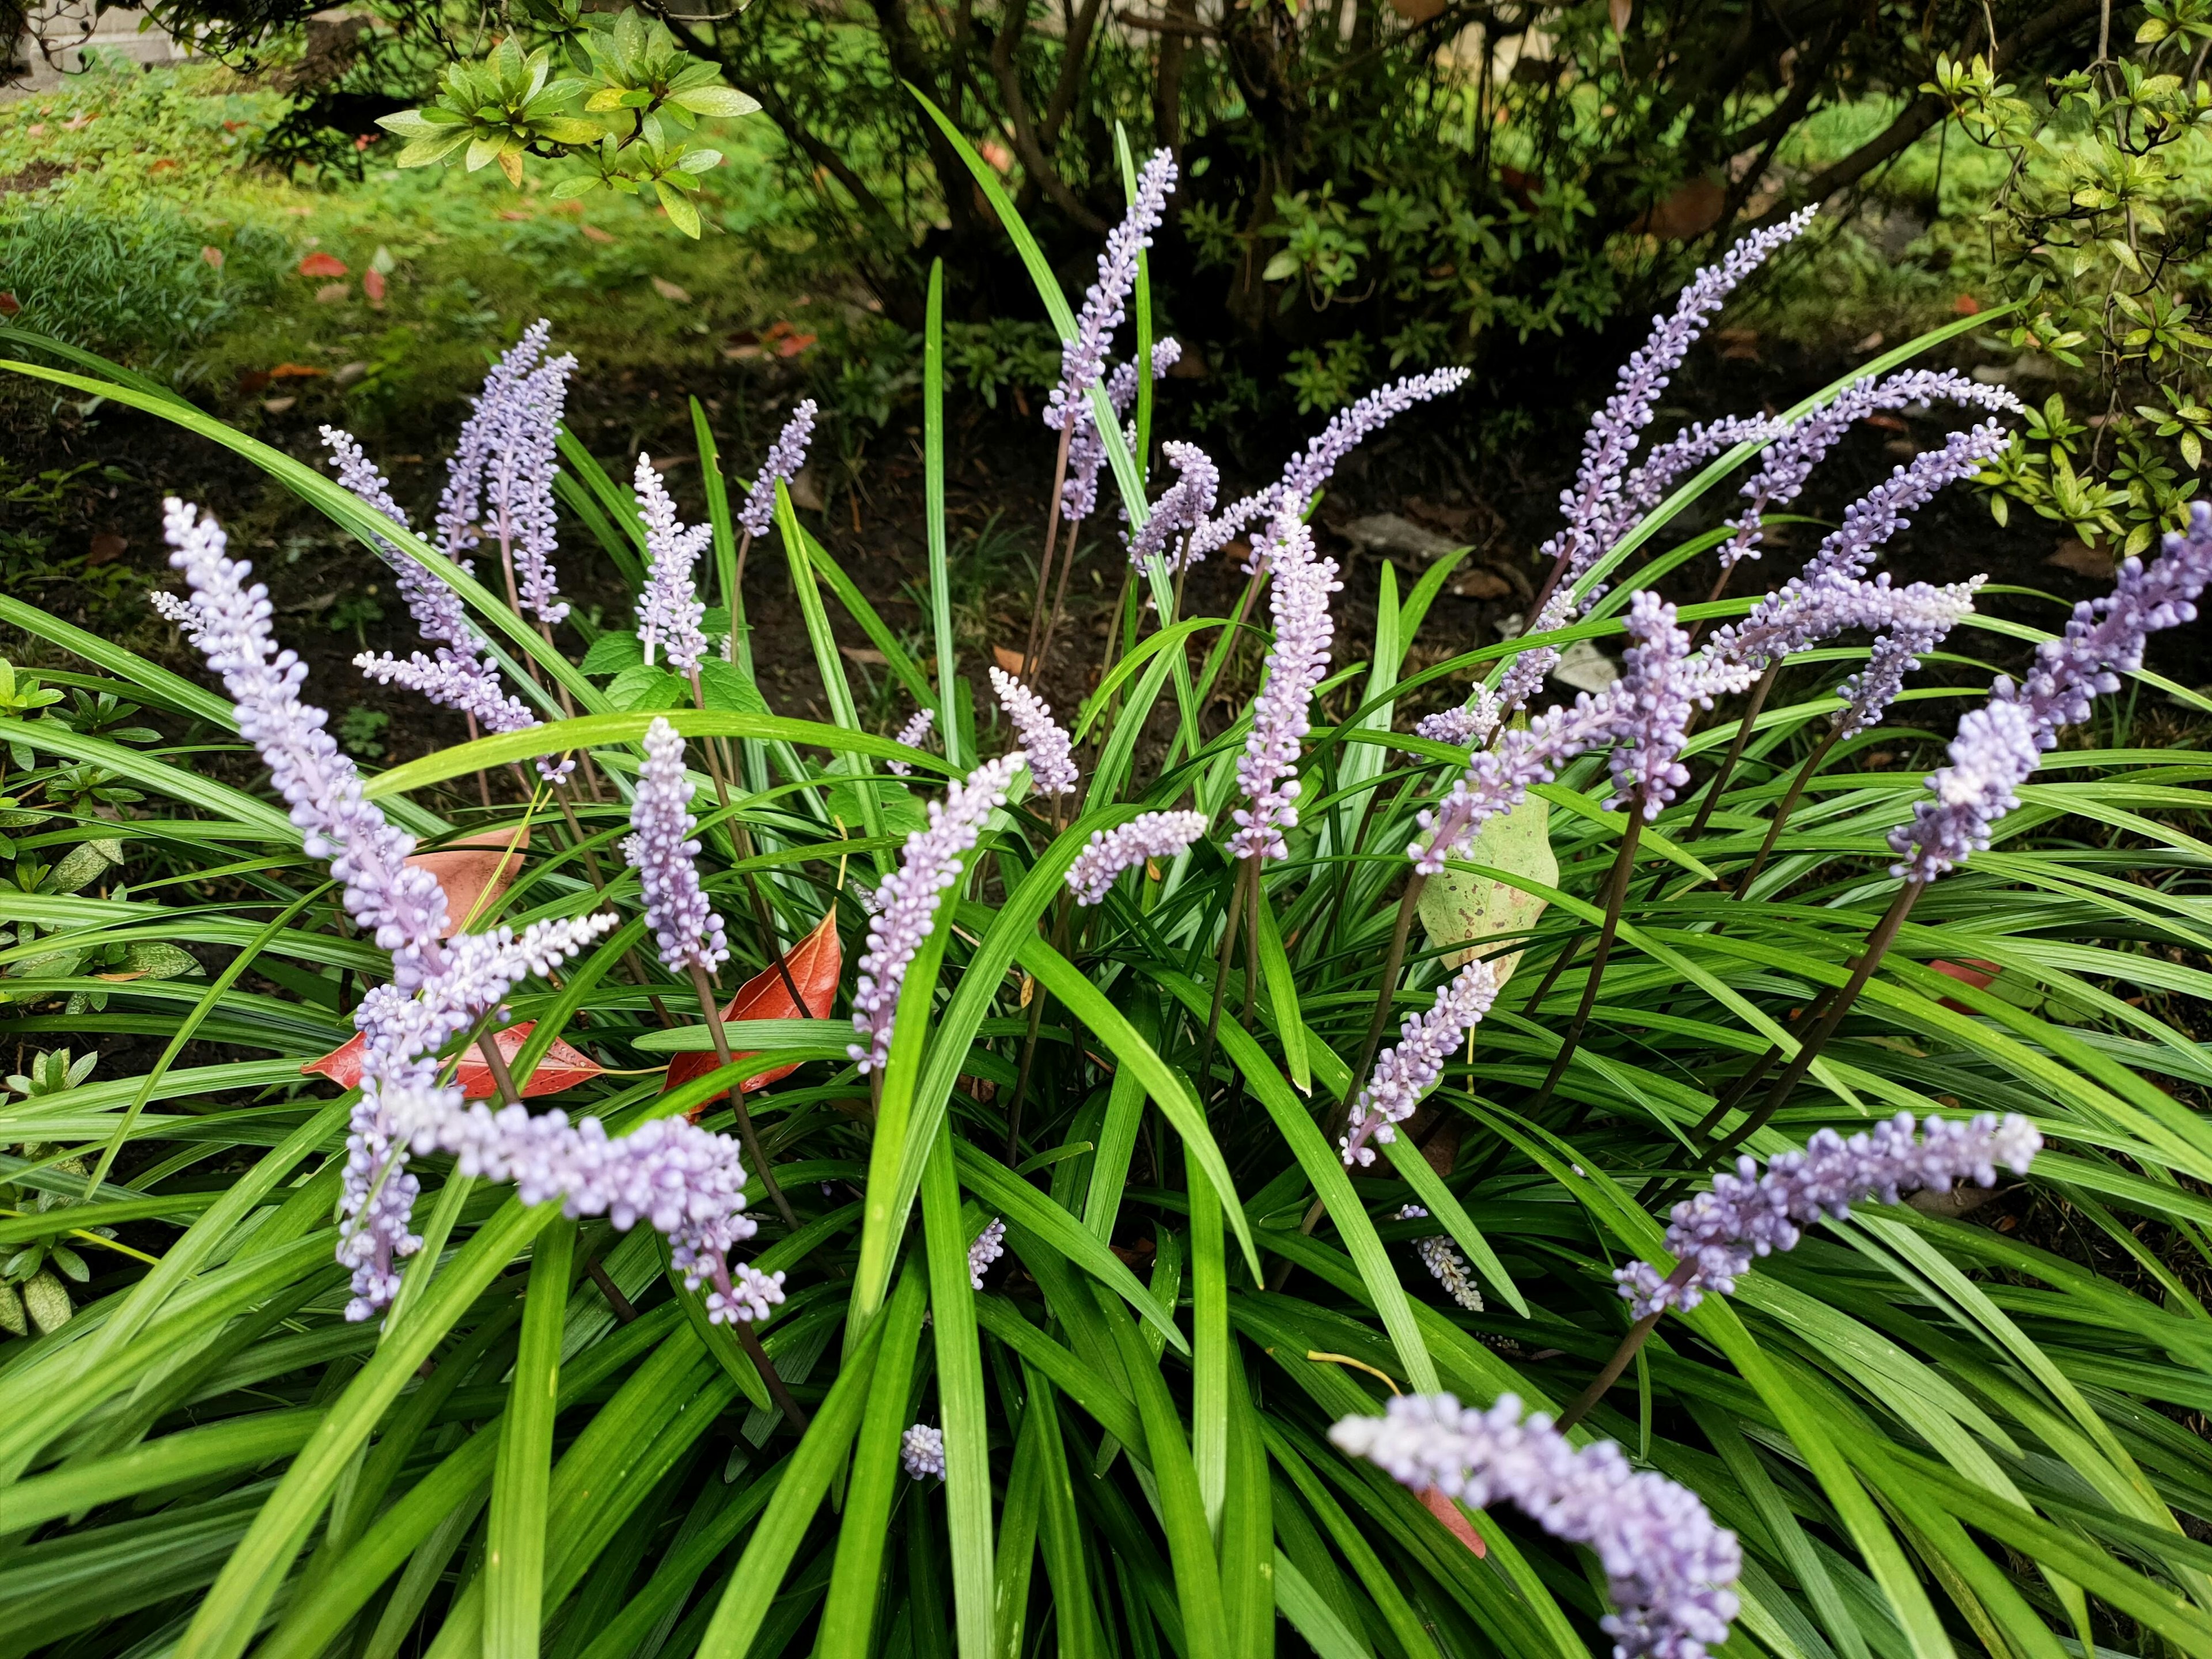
475 872
1976 973
322 264
563 1067
817 961
1445 1511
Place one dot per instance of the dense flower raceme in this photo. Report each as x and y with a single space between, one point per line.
922 1453
1790 459
687 1182
1297 660
1646 712
1691 447
1591 504
1670 1572
1716 1234
1181 509
906 902
990 1244
669 609
1083 355
1406 1072
1445 1264
1470 725
660 848
502 470
911 735
784 457
2000 745
1109 852
1087 451
1051 751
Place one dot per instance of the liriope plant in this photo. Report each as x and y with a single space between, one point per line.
1089 1267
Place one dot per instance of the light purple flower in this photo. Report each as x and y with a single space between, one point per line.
1052 765
669 609
1445 1264
922 1453
1659 685
1109 852
907 900
452 681
1917 619
181 610
2000 745
660 848
504 466
990 1244
911 735
1716 1234
1470 725
1086 452
1083 355
1406 1072
1181 507
1790 459
1592 504
1217 532
1353 425
1670 1572
1297 661
784 457
1691 447
687 1182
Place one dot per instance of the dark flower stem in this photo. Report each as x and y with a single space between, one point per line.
1789 804
1058 596
1623 1357
741 838
1246 869
1616 894
1408 904
778 1391
736 1097
1758 694
1044 567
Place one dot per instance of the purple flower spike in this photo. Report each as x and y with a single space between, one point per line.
1181 507
911 735
1592 505
1470 725
503 469
922 1453
1917 619
1052 765
990 1244
1109 852
1657 689
1791 457
784 457
2000 745
1353 424
907 899
1690 448
1408 1069
669 609
1717 1233
1445 1264
1670 1572
1082 355
1297 663
660 848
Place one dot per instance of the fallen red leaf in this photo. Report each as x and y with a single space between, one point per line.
322 264
296 372
563 1067
1461 1528
1967 305
817 961
1976 973
372 284
9 305
475 872
213 256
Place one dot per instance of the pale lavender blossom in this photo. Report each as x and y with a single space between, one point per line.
452 682
1297 661
1918 619
1406 1072
687 1182
911 735
1524 675
662 851
670 609
1592 504
1791 457
1182 508
1353 425
784 457
1083 355
1445 1264
2001 743
502 470
1692 447
1717 1235
907 900
1659 685
1670 1572
1470 725
1051 764
990 1244
1217 532
922 1453
1086 452
1109 852
183 611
